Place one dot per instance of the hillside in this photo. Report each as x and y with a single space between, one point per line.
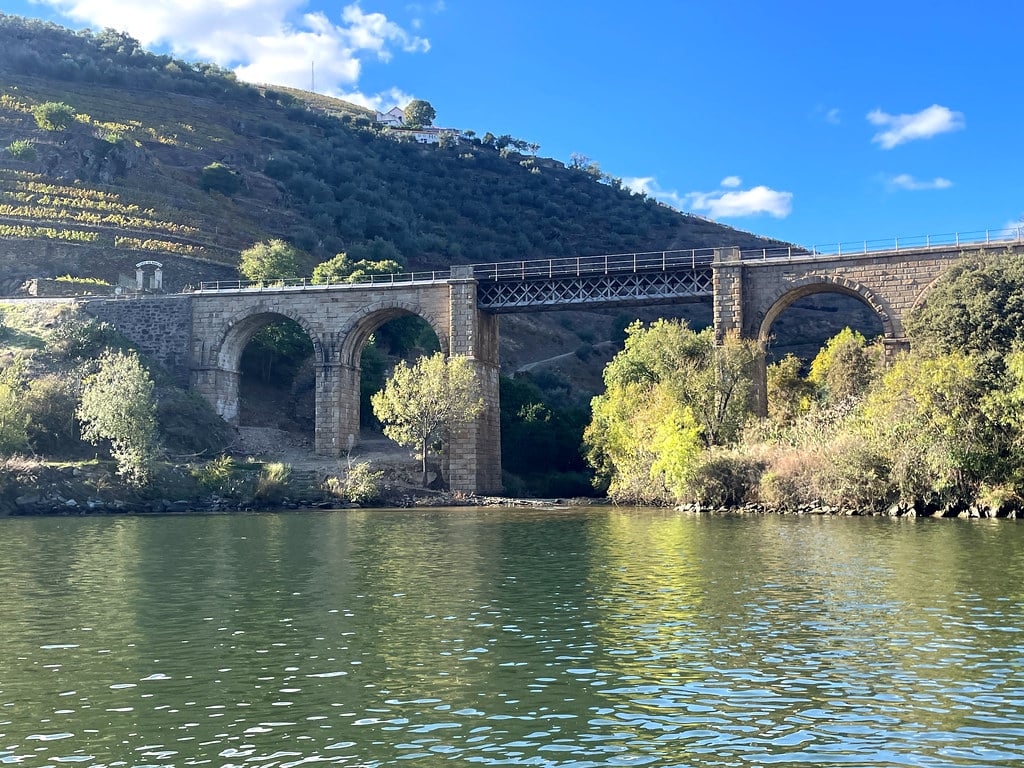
110 155
127 173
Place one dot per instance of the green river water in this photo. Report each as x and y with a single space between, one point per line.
587 637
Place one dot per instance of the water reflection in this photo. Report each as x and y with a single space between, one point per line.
583 638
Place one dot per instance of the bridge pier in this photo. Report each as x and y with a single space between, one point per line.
474 460
220 388
337 409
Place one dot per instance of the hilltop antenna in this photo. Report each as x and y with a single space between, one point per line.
312 77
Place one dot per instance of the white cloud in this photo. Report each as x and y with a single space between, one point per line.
928 122
267 41
906 181
721 203
744 202
832 116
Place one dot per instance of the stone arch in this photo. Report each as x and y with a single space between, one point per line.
812 284
218 375
357 331
226 352
922 295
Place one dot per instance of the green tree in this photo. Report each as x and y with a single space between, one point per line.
669 394
642 442
272 260
342 269
54 115
927 416
421 404
419 114
51 401
217 177
845 366
14 416
117 406
789 393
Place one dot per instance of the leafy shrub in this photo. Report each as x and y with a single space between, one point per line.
215 475
75 339
272 483
358 484
22 149
217 177
52 429
855 475
13 415
724 479
117 409
54 116
89 280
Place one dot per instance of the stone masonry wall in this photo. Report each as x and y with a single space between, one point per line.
160 326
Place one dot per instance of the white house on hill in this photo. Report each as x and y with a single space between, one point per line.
394 117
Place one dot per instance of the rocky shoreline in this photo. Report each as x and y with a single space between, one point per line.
32 488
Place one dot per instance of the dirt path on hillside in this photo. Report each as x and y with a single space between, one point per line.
601 345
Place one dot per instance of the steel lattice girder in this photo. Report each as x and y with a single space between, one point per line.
627 287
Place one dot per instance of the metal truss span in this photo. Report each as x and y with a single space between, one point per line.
509 294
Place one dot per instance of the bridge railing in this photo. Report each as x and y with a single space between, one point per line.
582 266
998 236
579 266
305 283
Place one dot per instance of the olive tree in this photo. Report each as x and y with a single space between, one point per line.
420 404
272 260
117 406
342 269
217 177
54 115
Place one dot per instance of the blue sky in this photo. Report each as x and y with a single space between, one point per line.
813 122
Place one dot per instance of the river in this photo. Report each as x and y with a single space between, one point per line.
587 637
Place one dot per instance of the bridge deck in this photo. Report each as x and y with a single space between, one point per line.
622 278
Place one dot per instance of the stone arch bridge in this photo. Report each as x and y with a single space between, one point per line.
200 335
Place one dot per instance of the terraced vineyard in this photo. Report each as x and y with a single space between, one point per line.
125 175
31 206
